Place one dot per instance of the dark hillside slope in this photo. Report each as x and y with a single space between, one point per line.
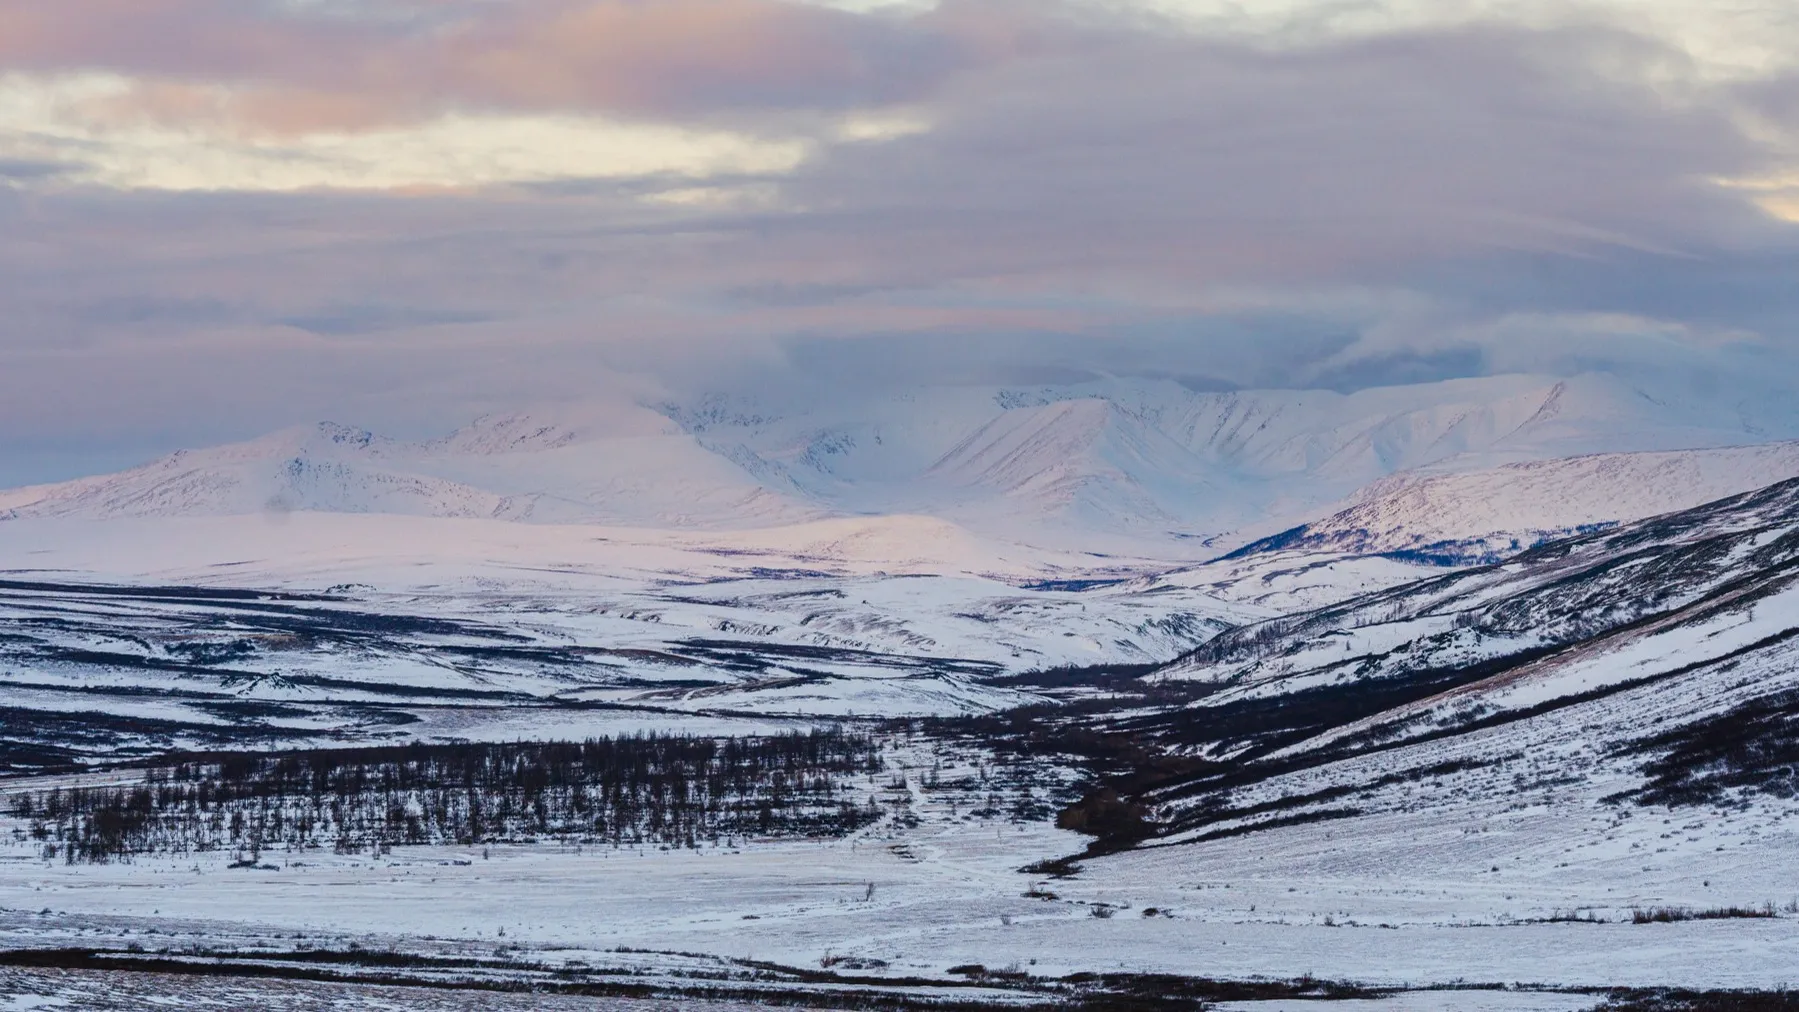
1612 660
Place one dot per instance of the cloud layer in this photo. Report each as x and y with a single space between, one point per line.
216 217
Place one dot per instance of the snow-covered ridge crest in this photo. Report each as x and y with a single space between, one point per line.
1559 594
631 467
1085 455
1160 461
1488 514
326 467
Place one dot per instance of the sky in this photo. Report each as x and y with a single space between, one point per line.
222 217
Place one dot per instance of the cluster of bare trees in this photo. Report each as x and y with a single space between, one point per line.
645 789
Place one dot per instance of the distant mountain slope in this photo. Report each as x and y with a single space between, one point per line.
637 469
328 467
1116 467
1085 459
1153 457
1354 438
1483 515
1563 593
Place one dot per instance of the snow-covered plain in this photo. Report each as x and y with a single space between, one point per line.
1409 902
343 627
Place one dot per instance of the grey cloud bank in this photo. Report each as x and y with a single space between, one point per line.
1082 195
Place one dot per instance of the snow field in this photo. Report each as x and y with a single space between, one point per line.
1405 899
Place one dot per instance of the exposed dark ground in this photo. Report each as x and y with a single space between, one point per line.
70 979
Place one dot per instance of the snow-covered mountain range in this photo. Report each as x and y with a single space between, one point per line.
1143 469
947 535
1158 461
633 467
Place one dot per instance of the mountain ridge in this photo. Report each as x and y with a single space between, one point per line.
1142 467
1462 517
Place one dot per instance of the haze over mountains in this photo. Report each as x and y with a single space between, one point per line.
1151 469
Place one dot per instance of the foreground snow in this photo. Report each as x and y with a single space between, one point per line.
1410 902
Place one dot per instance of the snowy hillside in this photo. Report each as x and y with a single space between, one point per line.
1656 661
1487 514
1594 731
1085 459
1561 593
1154 457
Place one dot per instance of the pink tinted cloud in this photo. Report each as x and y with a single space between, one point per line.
206 39
682 58
690 55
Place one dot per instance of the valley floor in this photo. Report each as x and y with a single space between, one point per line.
105 991
1459 895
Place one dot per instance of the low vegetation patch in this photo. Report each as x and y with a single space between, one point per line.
1573 917
1669 915
1754 747
650 789
1702 1001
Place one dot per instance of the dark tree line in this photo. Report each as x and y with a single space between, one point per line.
645 789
